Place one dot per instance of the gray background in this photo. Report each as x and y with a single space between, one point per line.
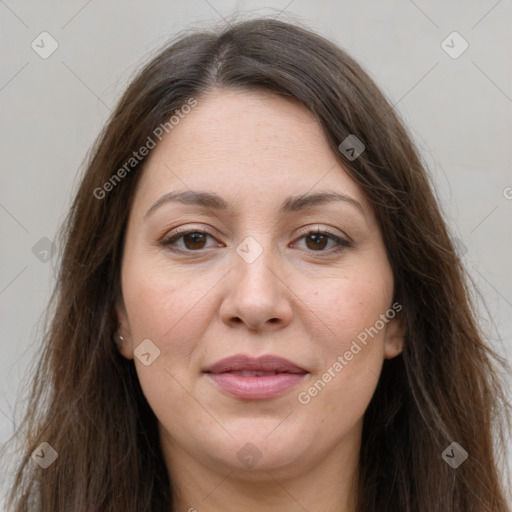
458 109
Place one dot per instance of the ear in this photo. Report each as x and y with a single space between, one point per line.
122 336
394 339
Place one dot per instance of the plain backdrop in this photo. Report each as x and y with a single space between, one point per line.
458 108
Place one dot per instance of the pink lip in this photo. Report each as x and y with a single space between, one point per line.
252 387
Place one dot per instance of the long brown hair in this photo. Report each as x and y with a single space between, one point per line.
85 399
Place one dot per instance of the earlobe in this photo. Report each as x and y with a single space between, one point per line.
122 334
392 349
122 346
395 336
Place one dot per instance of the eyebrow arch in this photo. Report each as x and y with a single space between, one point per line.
216 202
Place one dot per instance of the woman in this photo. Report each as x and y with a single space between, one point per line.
259 306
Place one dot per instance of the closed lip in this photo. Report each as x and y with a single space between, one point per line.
267 363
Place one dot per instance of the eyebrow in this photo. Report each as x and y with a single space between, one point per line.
213 201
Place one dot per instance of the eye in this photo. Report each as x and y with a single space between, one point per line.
193 240
317 240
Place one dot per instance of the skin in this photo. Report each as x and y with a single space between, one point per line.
301 301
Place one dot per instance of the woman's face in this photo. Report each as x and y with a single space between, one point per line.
307 319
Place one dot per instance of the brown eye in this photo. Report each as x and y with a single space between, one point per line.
192 240
317 241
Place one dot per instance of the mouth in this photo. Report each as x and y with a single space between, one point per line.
249 373
247 378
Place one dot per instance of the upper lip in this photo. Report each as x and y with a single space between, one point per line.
268 363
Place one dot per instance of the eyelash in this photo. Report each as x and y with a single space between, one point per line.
167 241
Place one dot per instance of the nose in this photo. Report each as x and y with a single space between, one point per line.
257 294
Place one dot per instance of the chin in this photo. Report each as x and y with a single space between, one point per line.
260 448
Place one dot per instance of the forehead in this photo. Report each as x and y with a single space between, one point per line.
246 146
237 125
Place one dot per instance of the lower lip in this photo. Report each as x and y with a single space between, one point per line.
256 388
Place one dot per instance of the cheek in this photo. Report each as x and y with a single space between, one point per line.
352 306
170 307
159 298
339 393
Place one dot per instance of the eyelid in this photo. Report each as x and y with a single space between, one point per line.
184 230
342 242
315 228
